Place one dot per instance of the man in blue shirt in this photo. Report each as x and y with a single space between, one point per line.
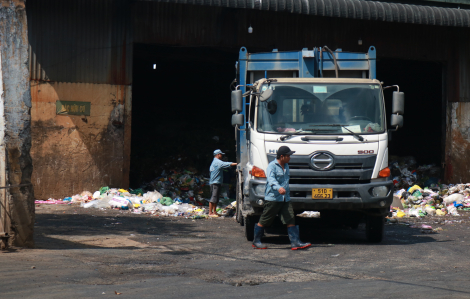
217 176
278 201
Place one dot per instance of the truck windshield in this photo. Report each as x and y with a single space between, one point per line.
322 109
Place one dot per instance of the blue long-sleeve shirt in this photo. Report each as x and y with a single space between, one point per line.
277 178
217 175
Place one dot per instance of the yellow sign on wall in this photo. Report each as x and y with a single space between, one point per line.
73 108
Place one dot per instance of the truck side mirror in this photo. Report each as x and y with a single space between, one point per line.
237 101
398 103
265 95
237 120
396 120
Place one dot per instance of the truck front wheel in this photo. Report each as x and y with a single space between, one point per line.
375 226
250 222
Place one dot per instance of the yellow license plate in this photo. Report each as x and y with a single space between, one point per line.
322 193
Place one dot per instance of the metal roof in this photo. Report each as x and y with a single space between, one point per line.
80 41
352 9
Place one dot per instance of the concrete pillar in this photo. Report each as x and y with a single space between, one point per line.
16 124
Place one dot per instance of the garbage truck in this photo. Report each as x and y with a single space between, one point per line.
328 107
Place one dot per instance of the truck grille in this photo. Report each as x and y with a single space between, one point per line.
345 168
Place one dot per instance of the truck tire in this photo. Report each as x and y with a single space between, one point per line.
240 218
250 222
375 226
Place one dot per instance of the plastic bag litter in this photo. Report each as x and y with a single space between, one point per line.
411 190
97 204
86 193
120 202
454 197
104 189
415 212
76 198
150 197
150 207
430 211
166 201
185 208
96 195
452 210
310 214
135 199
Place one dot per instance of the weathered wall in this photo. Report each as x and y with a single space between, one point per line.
76 153
457 143
14 52
459 166
80 50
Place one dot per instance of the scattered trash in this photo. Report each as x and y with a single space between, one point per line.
406 173
52 201
439 200
174 194
426 229
309 214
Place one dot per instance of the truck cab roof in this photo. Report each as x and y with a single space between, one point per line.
321 80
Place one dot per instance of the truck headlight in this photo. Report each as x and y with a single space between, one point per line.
259 189
380 191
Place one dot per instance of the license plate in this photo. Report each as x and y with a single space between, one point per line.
322 193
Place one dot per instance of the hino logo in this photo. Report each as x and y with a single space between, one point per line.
322 161
271 151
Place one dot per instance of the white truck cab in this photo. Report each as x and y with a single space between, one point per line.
337 128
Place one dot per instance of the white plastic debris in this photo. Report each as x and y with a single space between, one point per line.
454 197
310 214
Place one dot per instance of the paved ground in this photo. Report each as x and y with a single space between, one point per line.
89 253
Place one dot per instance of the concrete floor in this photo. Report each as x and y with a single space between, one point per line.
89 253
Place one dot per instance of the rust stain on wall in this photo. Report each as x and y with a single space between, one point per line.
76 153
458 169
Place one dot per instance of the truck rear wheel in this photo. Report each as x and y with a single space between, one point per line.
375 226
250 222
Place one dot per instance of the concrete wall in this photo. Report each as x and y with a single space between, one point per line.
458 166
457 144
17 130
76 153
80 50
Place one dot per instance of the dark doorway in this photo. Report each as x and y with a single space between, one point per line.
421 135
180 108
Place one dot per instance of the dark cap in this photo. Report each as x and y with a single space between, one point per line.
284 150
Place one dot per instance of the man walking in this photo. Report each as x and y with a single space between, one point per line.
217 176
278 201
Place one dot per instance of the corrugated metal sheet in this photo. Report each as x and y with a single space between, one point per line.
80 41
188 25
464 70
351 9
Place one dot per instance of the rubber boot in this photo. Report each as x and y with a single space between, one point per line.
295 239
259 232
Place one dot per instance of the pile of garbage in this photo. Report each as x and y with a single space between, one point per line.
406 173
174 194
439 200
